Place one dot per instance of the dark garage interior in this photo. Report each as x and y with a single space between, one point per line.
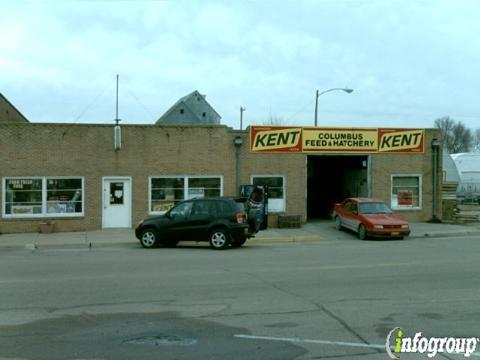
331 179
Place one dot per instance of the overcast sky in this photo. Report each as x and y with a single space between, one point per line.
409 62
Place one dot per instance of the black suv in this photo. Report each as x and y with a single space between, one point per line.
221 221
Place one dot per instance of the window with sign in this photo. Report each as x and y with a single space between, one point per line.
276 190
204 187
45 196
23 197
167 191
406 192
116 193
64 196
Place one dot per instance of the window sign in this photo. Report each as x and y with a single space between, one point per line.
23 197
203 187
39 197
406 192
196 193
167 191
64 196
116 193
405 197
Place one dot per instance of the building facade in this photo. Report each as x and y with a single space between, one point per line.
72 175
9 113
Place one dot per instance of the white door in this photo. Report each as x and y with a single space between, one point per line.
117 202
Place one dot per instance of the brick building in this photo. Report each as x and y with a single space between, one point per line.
71 173
9 113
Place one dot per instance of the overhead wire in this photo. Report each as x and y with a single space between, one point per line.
88 107
154 118
310 102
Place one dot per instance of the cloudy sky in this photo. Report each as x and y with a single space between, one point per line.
409 62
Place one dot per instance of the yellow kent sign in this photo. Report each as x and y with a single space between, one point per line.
335 140
275 139
391 140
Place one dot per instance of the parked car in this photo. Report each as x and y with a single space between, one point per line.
369 218
221 221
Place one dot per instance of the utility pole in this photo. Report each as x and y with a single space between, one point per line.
242 109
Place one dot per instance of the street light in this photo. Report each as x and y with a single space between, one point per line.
347 90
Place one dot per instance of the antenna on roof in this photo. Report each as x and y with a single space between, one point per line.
242 109
117 139
117 120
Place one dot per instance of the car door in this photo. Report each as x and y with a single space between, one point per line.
354 219
200 219
348 216
177 226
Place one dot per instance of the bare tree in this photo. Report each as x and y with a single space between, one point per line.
274 120
445 124
456 137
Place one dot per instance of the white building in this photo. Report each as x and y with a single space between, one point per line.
468 166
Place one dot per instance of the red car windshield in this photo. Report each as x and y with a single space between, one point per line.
374 208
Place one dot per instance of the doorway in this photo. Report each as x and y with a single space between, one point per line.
117 202
331 179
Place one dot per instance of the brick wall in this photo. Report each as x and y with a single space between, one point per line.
9 114
385 165
149 150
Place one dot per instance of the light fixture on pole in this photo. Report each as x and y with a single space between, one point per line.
347 90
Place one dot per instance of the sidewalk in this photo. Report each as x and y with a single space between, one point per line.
317 230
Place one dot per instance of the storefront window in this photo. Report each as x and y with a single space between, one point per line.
203 187
276 190
165 192
23 197
406 192
37 197
64 196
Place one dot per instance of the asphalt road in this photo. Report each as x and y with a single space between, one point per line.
306 300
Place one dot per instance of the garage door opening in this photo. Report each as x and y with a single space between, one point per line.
331 179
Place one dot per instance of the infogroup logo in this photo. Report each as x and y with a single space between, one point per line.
399 343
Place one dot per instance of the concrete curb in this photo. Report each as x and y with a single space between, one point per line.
444 235
34 244
299 238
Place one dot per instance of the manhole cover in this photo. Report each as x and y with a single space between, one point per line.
162 340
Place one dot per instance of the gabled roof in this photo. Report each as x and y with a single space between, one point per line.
184 101
9 106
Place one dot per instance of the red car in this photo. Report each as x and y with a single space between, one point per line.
369 217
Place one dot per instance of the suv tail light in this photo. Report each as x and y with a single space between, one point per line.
241 217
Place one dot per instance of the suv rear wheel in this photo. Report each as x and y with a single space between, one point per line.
149 238
219 239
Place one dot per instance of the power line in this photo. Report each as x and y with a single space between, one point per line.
141 103
310 102
89 106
